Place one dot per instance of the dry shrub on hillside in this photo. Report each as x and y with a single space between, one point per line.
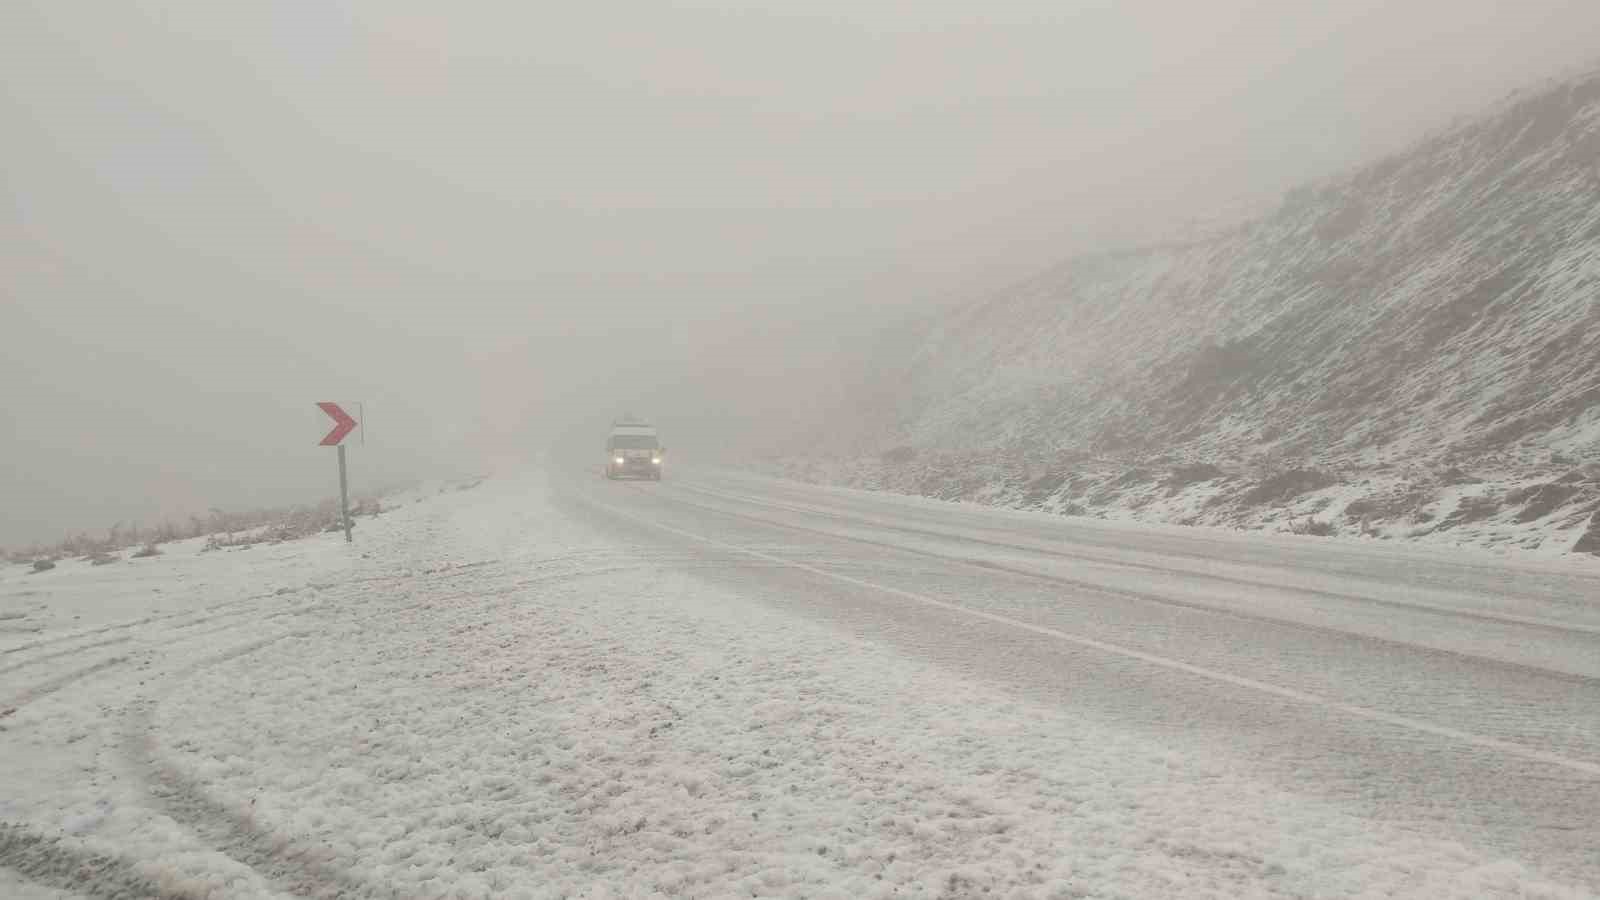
1542 499
1314 527
1197 473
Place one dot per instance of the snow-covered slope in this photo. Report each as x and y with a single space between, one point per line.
1437 310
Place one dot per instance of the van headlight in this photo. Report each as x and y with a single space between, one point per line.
655 460
620 460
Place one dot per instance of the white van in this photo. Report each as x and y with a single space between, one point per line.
633 450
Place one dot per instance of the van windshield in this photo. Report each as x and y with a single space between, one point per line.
633 442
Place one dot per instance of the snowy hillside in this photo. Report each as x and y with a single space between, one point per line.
1409 350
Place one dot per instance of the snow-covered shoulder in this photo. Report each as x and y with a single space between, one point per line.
488 699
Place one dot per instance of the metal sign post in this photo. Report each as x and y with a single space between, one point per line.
344 496
343 425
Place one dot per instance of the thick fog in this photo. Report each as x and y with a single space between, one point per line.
499 225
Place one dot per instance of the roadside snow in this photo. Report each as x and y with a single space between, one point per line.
485 698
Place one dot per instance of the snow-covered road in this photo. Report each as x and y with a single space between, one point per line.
554 685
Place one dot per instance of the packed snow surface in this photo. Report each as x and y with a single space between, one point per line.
495 693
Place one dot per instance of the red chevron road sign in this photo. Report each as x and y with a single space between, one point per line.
344 424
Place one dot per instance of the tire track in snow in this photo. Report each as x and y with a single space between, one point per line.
50 686
232 832
1161 599
633 566
55 862
1415 726
54 683
1388 551
130 623
1083 556
301 870
226 608
60 653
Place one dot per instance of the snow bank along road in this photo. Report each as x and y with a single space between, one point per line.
555 685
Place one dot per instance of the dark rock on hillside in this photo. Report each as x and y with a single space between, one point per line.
1590 541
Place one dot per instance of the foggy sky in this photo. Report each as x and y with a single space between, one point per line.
498 223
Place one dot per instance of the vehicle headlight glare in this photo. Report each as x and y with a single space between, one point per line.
620 460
